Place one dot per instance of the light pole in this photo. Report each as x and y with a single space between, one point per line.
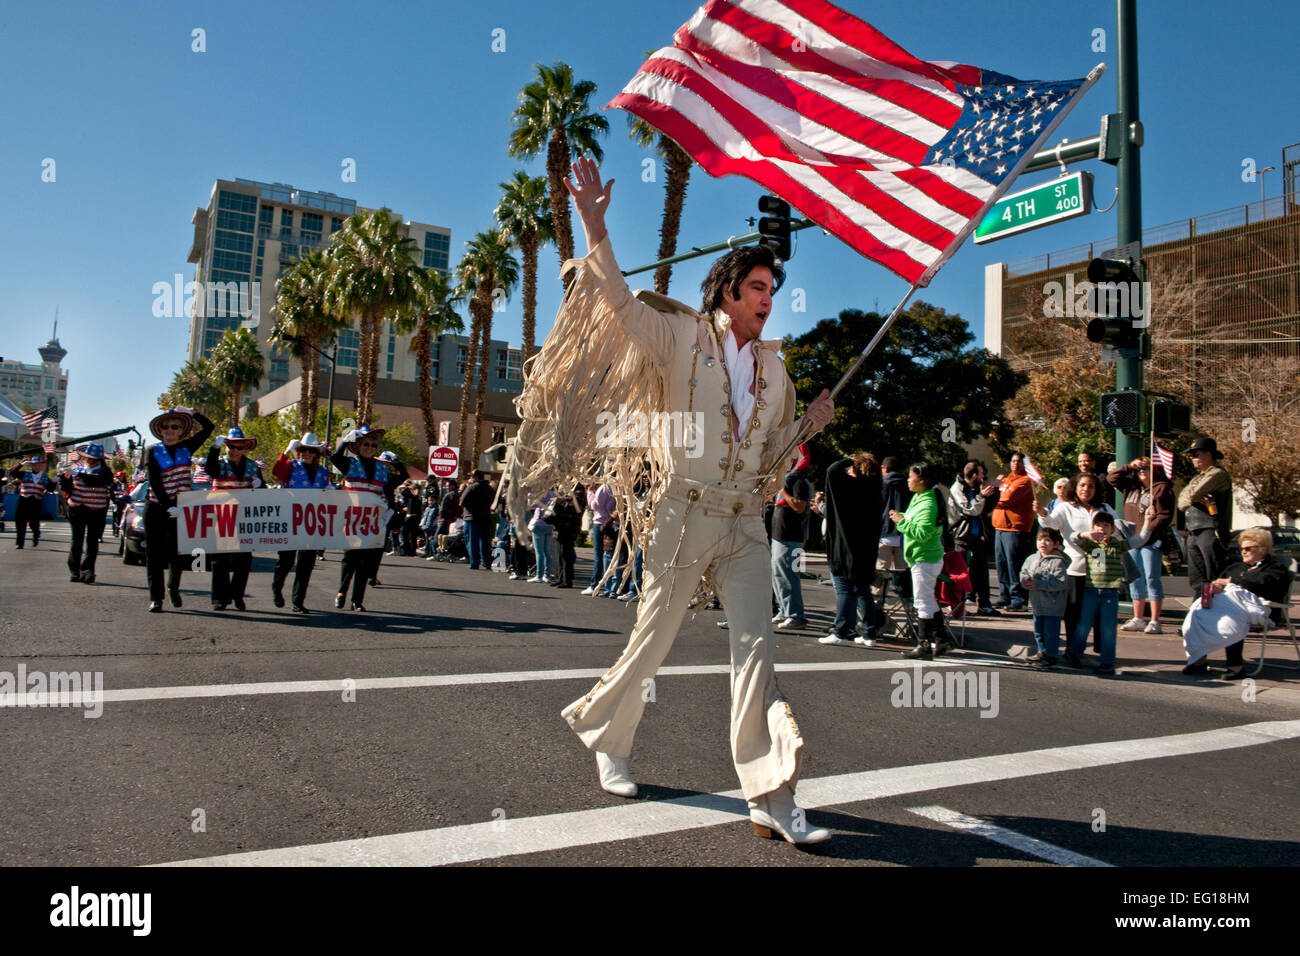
1260 173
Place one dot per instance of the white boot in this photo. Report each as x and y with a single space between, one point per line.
775 814
614 775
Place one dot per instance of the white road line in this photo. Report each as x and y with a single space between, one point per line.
512 837
1017 841
82 698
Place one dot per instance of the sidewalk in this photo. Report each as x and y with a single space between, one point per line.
1154 656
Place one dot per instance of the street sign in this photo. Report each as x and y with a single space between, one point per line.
1050 202
444 462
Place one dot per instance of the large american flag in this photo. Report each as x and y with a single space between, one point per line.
898 157
36 422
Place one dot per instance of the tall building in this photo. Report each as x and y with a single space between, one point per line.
32 387
249 235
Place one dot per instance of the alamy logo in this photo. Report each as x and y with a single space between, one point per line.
181 299
75 908
659 429
1121 300
945 688
53 689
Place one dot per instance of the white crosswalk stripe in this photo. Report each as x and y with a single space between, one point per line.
1017 841
513 837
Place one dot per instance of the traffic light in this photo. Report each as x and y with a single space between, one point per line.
1118 302
774 227
1169 418
1124 410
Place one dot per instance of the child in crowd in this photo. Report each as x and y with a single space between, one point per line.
1104 549
1043 576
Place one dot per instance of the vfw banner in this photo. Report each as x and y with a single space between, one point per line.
279 519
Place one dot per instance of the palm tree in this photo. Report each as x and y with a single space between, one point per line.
553 113
677 172
375 277
486 271
436 314
305 324
236 364
525 216
193 387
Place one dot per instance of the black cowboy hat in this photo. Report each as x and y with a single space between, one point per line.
1205 444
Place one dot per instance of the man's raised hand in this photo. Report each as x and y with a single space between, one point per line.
820 412
590 198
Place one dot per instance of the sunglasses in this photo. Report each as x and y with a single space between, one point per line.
367 444
172 427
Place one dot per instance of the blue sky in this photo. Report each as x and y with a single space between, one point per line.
140 126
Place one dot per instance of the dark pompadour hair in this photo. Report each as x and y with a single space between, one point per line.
730 271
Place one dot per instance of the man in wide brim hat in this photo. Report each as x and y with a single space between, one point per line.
185 418
1204 444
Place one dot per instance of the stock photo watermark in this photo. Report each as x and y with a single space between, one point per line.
926 688
26 688
636 429
180 299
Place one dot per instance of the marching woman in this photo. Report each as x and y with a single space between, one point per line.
364 473
34 483
236 470
167 466
304 471
88 488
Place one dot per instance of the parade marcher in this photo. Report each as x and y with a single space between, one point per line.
88 488
707 509
396 517
853 524
230 571
304 471
364 473
121 495
33 485
167 468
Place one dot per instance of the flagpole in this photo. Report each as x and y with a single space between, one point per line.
800 435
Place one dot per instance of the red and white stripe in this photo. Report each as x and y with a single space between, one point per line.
1034 474
175 480
87 496
32 485
826 112
1166 461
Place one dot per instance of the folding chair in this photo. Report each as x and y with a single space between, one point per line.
951 590
890 603
1288 625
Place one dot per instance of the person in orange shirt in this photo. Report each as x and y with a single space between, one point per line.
1013 520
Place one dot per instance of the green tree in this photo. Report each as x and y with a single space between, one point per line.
193 387
305 323
375 277
525 216
554 113
921 394
487 272
237 364
677 173
436 314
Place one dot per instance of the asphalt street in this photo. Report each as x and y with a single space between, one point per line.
426 730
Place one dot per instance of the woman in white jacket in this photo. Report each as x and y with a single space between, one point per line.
1069 517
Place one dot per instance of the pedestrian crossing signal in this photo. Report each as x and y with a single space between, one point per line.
1124 410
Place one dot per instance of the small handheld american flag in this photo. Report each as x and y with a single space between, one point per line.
1166 460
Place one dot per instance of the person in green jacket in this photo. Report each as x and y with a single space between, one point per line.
923 552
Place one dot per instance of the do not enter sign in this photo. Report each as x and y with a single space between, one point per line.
444 462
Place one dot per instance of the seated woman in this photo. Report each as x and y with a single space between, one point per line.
1236 605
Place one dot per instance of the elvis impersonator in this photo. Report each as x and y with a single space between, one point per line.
707 502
